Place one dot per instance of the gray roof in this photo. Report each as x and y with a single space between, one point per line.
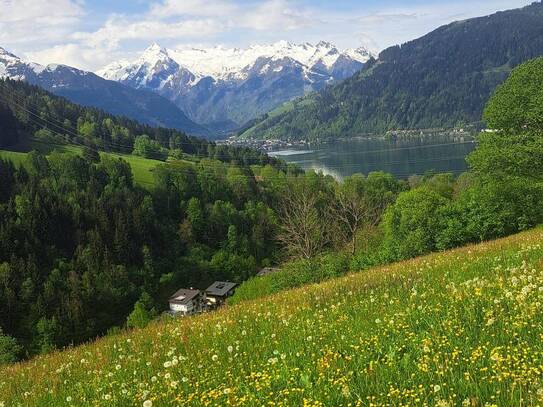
184 296
267 270
220 288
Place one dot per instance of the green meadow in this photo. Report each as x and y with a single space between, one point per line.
456 328
142 168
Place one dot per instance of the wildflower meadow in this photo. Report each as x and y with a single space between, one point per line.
458 328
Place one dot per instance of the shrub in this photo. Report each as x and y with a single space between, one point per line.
142 314
412 224
146 147
489 210
293 274
9 349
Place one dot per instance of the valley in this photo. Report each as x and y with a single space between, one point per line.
227 218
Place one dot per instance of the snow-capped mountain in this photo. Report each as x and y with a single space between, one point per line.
225 87
12 67
88 89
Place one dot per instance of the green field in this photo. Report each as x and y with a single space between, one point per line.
142 168
462 328
18 158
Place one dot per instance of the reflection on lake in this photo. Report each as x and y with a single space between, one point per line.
399 157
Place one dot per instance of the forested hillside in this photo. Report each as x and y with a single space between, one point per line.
440 80
28 112
81 243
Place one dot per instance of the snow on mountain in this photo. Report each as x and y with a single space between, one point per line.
13 67
229 86
222 63
88 89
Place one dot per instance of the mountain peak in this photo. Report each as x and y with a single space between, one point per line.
283 44
325 44
155 51
5 54
196 77
156 48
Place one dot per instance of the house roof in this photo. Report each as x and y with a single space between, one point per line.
220 288
184 296
267 270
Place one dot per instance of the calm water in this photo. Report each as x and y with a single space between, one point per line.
401 158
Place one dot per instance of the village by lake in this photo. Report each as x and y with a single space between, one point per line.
401 157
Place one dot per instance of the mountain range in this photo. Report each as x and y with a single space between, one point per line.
305 91
88 89
442 79
223 88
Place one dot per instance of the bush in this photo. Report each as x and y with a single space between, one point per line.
413 223
142 314
489 210
9 349
294 274
146 147
368 258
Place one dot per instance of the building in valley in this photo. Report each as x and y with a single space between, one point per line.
187 302
218 292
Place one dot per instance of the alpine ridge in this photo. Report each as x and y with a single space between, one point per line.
226 87
440 80
88 89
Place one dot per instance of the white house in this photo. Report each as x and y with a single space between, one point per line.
187 302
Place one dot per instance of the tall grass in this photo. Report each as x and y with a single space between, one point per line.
462 327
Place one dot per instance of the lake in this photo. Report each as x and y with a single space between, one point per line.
403 157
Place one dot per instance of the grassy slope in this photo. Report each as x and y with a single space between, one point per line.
18 158
142 168
457 328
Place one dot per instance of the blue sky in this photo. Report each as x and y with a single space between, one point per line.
91 33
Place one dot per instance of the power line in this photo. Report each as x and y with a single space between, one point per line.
19 98
77 136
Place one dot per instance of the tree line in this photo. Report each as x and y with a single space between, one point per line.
28 112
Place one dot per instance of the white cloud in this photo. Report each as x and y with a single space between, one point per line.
71 54
194 8
118 29
35 22
185 21
277 15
